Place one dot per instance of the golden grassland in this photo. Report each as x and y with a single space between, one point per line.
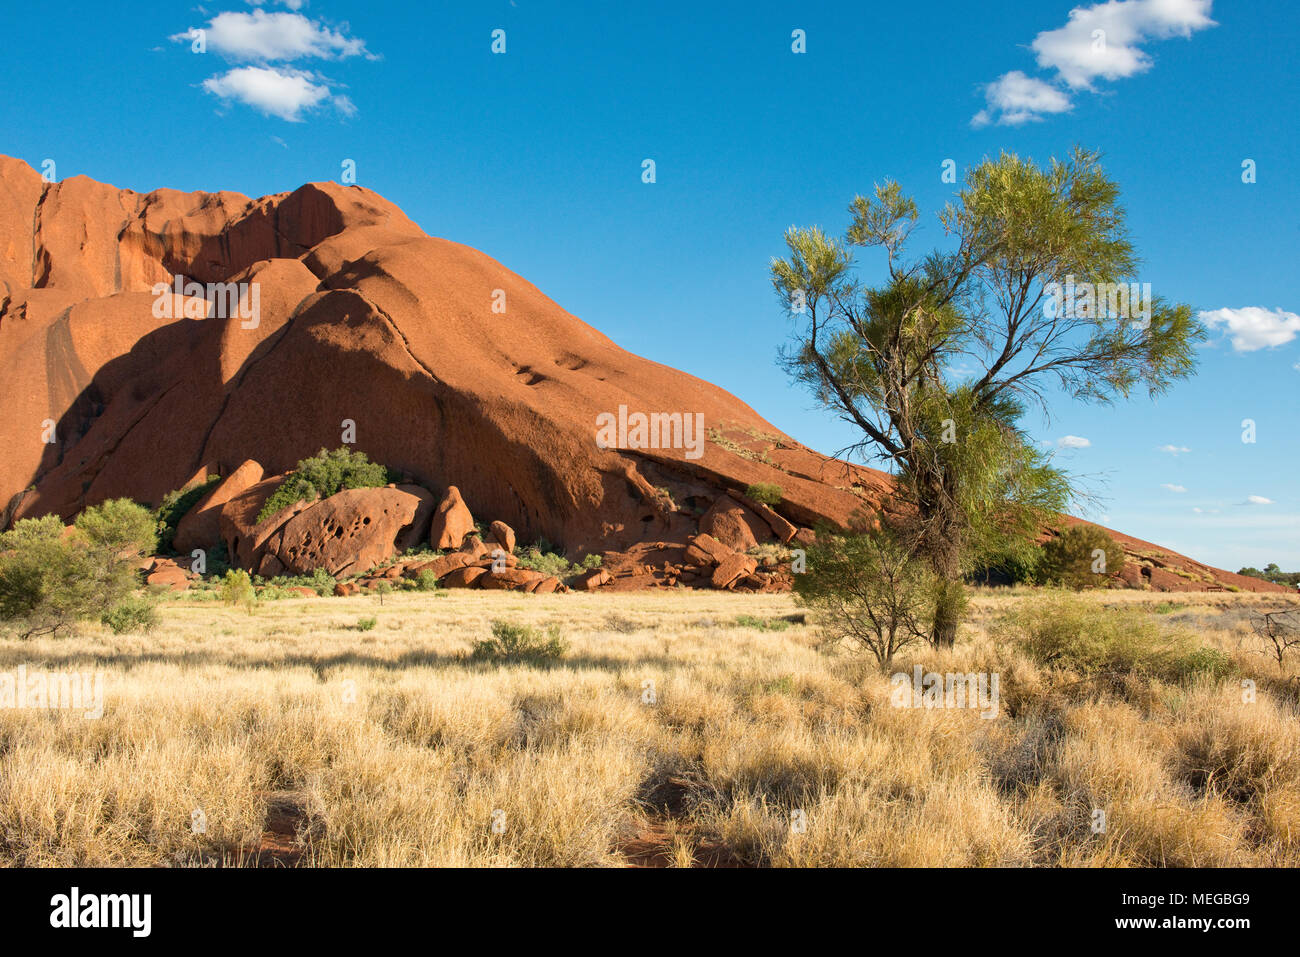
393 748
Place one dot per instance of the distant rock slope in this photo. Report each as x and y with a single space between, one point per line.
448 367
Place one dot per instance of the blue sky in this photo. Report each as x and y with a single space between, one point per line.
535 157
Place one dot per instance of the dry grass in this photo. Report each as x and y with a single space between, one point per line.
395 749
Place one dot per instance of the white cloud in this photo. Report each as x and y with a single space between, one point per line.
1257 500
1102 41
262 37
276 92
268 43
1174 488
1173 449
1253 327
1015 98
1205 511
1072 442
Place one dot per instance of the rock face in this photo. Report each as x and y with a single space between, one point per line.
123 340
201 526
451 522
348 533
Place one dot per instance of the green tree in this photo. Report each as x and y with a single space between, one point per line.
894 360
51 578
323 475
869 587
1083 556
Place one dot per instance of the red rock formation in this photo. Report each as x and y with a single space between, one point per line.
361 318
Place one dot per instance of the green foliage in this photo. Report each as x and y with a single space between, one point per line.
936 366
426 580
175 506
543 557
366 624
768 493
323 475
521 644
1272 573
762 624
47 582
133 614
50 579
1018 564
868 589
119 528
1066 632
237 589
1071 557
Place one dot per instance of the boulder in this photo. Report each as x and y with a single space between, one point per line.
451 522
417 533
439 566
474 548
349 532
546 586
592 580
167 574
734 525
347 589
503 535
510 579
466 577
732 569
706 551
200 527
244 535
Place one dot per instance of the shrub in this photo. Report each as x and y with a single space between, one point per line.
237 589
46 580
521 643
1020 565
768 493
546 558
323 475
132 614
426 580
762 624
367 624
1081 556
1064 632
175 506
868 589
50 579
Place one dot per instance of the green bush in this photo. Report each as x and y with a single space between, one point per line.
323 475
762 624
769 493
545 558
426 580
367 624
133 614
237 589
50 579
868 589
1062 631
175 506
521 643
1080 557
